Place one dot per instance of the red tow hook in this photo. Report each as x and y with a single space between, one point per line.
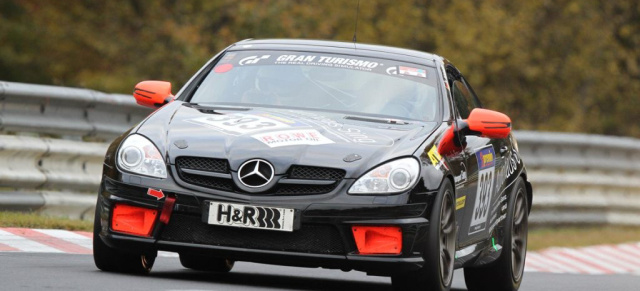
167 209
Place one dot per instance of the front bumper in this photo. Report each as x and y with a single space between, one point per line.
322 237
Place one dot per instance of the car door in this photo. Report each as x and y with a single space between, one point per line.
480 162
458 161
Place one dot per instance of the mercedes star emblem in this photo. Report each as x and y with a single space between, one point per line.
255 173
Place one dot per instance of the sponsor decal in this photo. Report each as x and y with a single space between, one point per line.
327 61
407 71
513 163
296 58
292 137
493 225
250 216
240 123
460 202
486 158
486 178
463 175
415 72
253 60
155 193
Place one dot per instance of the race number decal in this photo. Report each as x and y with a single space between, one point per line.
486 177
239 124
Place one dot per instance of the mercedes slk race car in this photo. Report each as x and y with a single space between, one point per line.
319 154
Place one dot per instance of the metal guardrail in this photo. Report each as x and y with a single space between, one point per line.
580 178
66 111
52 175
577 178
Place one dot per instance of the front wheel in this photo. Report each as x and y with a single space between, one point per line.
506 273
109 259
437 272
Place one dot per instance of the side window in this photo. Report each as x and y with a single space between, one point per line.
466 100
462 97
474 97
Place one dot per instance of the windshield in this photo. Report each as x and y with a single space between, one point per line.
351 84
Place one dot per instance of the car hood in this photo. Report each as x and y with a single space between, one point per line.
284 137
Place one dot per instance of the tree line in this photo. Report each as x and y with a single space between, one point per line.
562 65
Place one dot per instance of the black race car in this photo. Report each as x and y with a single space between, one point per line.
319 154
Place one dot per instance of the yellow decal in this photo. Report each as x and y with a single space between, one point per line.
460 202
488 158
434 156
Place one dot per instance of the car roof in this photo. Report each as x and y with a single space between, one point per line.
370 50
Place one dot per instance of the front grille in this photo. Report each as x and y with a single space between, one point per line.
316 173
203 164
221 166
315 239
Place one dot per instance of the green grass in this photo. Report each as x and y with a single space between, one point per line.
542 238
33 220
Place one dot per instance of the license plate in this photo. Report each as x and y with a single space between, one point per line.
250 216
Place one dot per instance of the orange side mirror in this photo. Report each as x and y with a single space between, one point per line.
489 123
153 94
482 122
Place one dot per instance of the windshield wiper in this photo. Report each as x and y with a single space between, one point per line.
378 120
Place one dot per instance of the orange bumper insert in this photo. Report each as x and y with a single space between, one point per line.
133 220
372 240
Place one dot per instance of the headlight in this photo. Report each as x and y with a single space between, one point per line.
392 177
138 155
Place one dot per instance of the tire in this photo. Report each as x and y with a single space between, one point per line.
439 251
505 274
112 260
206 263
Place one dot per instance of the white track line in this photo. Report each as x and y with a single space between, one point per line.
550 264
601 255
68 236
557 255
600 264
24 244
630 250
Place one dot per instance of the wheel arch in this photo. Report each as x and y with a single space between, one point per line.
529 189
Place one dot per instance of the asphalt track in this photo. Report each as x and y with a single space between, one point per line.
43 271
